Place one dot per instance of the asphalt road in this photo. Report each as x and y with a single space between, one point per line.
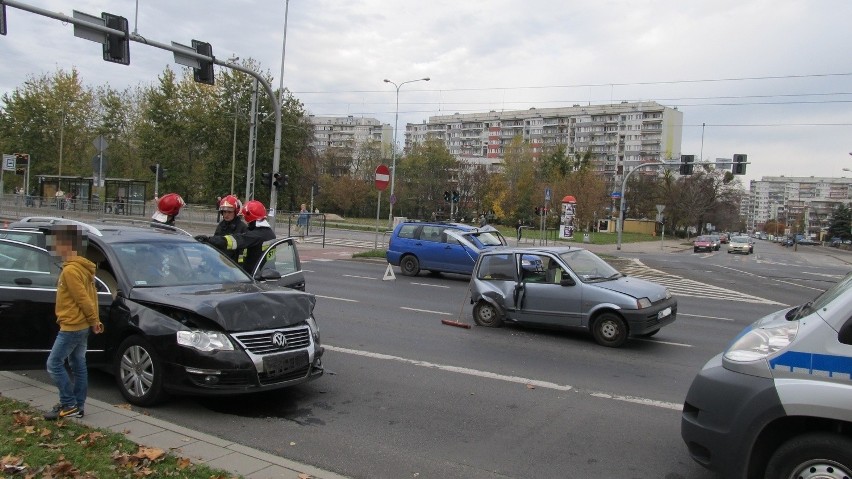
406 396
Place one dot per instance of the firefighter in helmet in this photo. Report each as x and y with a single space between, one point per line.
232 222
168 207
251 240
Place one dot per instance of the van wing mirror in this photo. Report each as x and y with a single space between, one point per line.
845 333
567 281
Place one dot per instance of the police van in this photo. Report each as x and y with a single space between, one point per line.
778 402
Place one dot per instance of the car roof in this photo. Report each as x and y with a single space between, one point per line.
107 231
458 226
533 250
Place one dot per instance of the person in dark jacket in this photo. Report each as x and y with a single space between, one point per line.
231 223
251 240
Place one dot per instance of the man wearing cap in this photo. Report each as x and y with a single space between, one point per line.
231 223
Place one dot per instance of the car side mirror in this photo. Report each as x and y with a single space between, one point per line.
845 333
268 274
569 281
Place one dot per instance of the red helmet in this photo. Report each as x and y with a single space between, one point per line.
253 211
231 202
170 204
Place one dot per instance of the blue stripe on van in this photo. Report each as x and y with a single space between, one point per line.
821 364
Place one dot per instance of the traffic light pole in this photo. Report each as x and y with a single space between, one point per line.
620 222
134 37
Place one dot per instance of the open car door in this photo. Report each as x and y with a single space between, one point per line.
280 265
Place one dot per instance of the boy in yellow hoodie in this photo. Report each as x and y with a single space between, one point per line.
76 313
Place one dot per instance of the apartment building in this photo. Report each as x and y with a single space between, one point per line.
791 199
349 132
619 136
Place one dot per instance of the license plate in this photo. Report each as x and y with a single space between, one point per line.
662 314
283 363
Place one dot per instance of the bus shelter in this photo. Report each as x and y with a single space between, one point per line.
65 192
125 196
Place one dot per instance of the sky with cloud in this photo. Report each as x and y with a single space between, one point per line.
768 78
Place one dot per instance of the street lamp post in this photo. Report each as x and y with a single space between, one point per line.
391 197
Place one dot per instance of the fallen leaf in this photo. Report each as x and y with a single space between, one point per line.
45 432
183 463
302 475
124 406
11 460
530 386
150 453
20 418
292 443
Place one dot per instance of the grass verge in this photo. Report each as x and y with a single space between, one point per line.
33 447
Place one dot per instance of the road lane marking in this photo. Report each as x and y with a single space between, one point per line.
511 379
775 279
426 311
680 286
337 299
657 341
432 285
357 277
702 316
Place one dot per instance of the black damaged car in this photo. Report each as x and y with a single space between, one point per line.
179 316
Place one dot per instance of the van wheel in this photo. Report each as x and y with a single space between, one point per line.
138 372
409 266
814 455
610 330
486 314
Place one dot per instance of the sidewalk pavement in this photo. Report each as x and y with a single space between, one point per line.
145 430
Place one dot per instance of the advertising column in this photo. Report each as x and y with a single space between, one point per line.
566 229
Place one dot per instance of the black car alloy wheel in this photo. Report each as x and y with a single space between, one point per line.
138 372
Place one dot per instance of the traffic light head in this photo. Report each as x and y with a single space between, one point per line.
455 196
204 73
447 196
266 179
279 180
739 167
686 164
116 47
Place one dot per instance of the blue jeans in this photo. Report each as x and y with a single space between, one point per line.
70 345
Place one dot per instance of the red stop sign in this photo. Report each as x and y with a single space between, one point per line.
382 177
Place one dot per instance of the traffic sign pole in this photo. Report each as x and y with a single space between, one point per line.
382 178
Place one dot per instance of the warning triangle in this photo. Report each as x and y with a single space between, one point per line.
389 273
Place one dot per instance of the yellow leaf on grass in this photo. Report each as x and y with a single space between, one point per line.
183 463
150 453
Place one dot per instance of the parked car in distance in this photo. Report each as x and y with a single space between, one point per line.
777 403
180 317
567 287
723 238
703 243
741 244
439 247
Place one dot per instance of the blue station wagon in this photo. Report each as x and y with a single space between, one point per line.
439 247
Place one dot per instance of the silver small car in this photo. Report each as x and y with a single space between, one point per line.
567 287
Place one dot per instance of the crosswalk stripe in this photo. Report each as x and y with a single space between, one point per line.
680 286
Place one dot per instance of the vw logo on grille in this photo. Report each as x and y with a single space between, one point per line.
279 340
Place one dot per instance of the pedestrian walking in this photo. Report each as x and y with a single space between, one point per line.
218 209
76 313
302 221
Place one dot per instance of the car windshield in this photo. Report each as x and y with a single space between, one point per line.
739 239
176 263
588 266
702 239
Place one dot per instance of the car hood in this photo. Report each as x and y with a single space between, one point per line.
635 287
235 307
